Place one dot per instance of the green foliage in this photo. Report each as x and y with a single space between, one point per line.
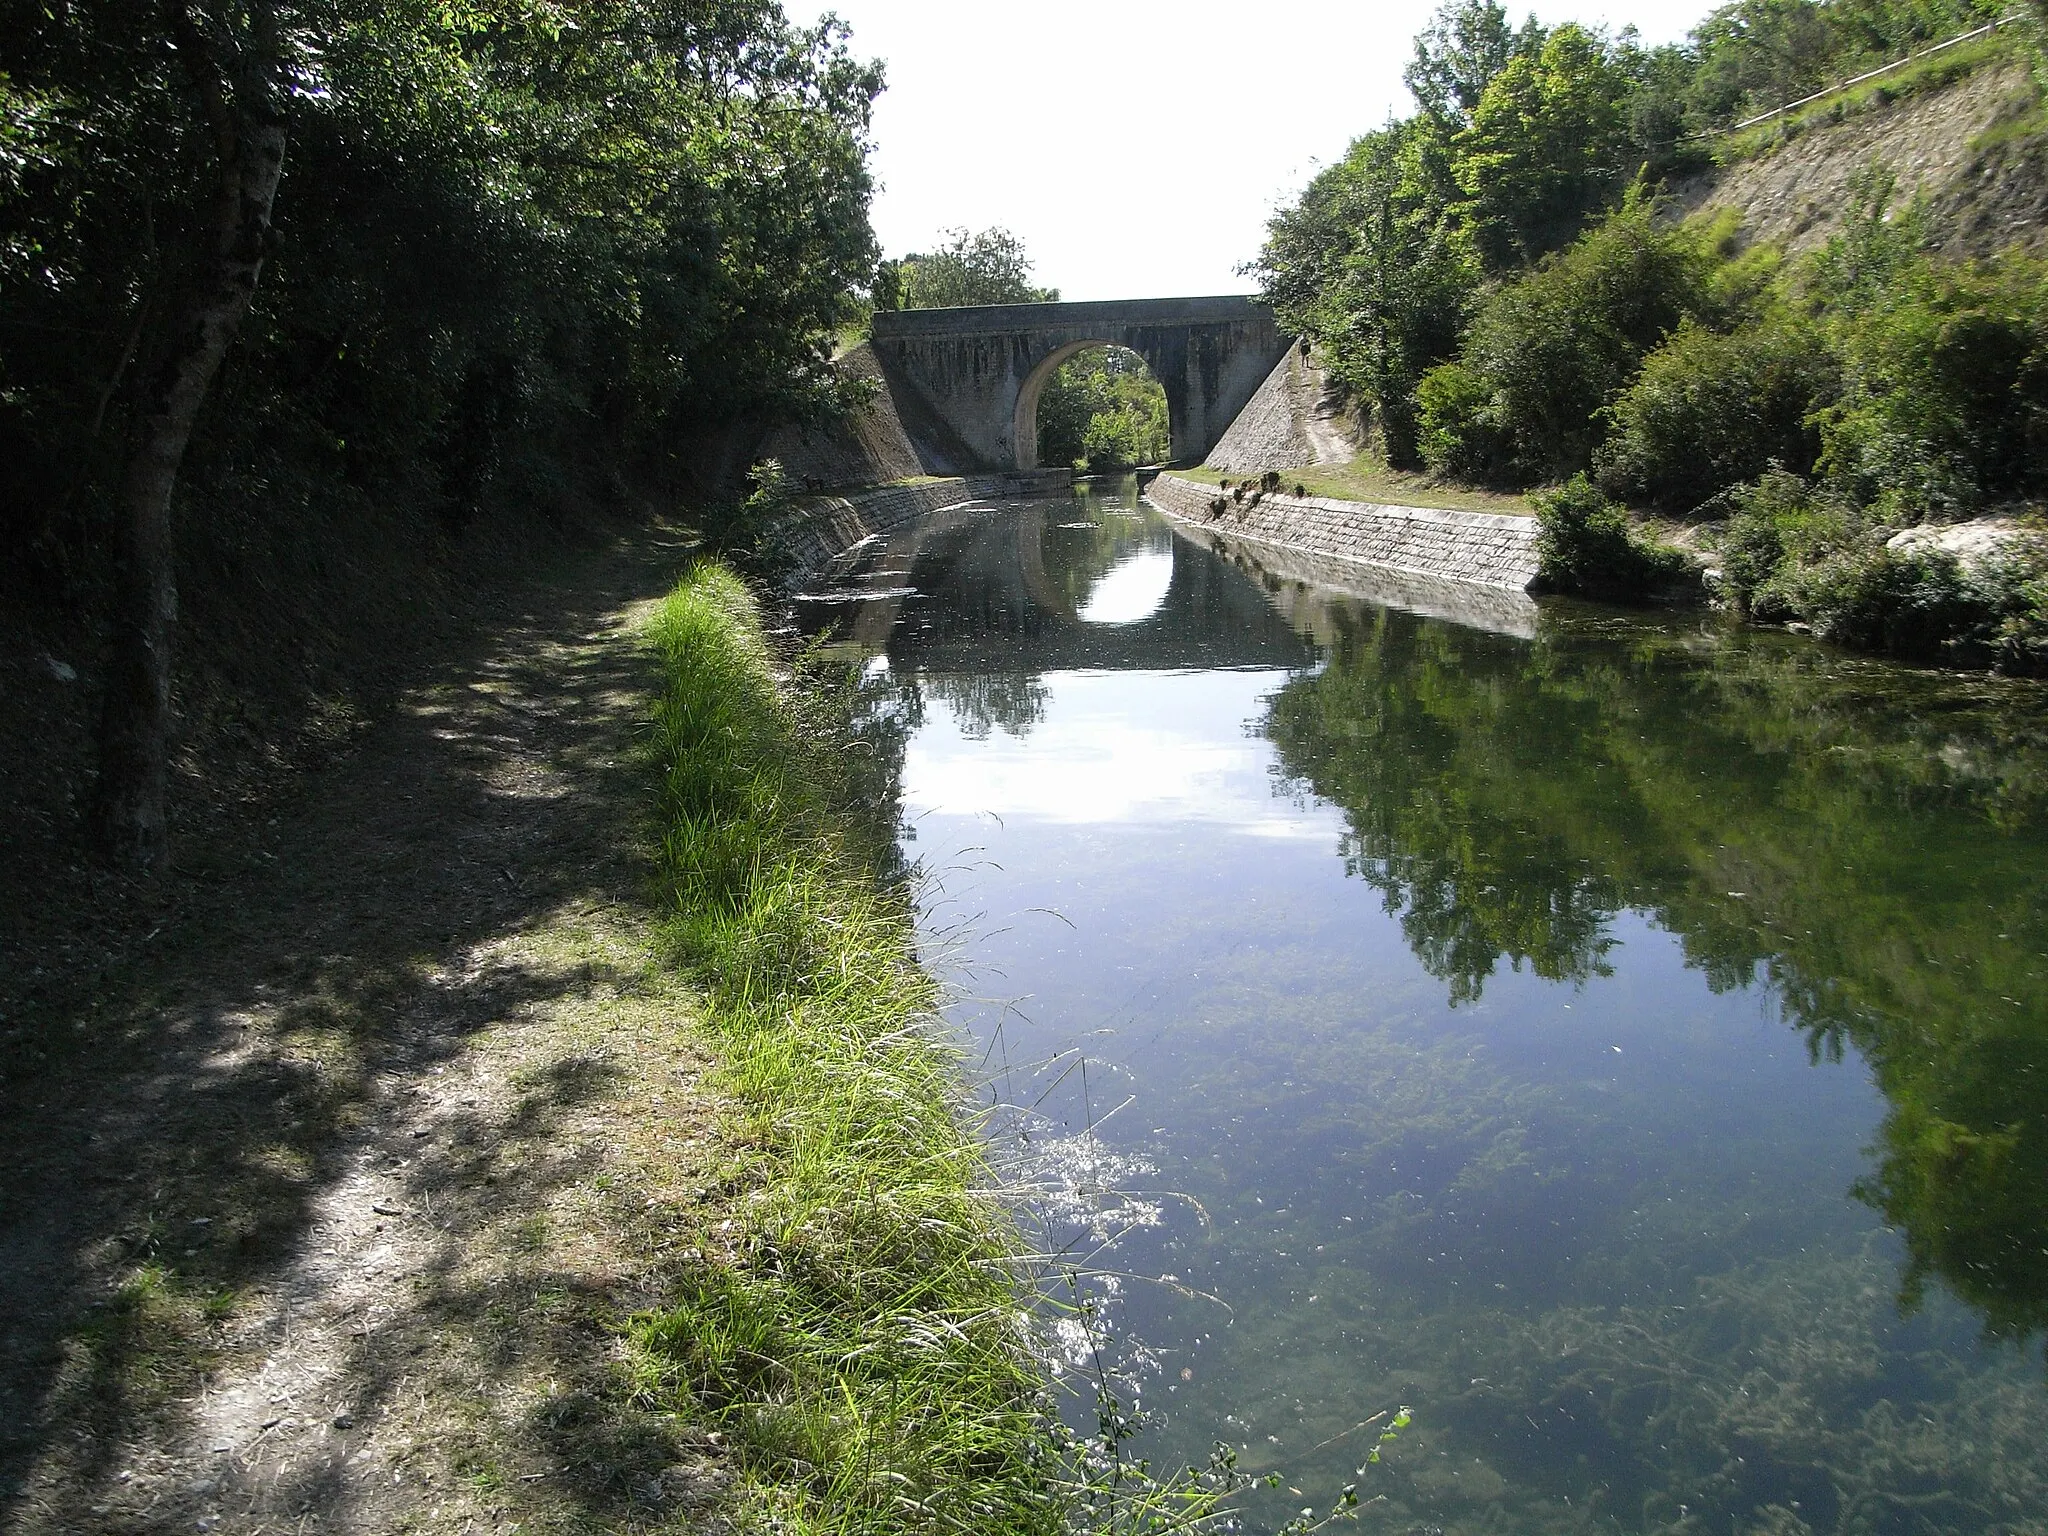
1461 433
1526 143
1550 349
1871 599
1545 147
513 259
1586 545
1755 55
1775 520
866 1352
748 526
1102 410
1369 266
990 267
1460 53
1944 405
1709 410
1794 551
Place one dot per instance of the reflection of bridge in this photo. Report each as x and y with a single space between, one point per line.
1003 593
979 371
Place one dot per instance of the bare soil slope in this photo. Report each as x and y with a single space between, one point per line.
1984 188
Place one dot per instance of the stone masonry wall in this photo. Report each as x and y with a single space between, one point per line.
1490 548
826 527
1299 417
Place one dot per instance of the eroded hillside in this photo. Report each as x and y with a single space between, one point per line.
1976 148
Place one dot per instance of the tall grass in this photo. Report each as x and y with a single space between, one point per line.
863 1343
865 1336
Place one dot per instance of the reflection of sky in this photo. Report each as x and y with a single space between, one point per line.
1391 1194
1126 748
1543 1217
1132 590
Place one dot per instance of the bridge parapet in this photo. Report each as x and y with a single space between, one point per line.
976 373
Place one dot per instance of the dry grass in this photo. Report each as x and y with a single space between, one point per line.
1371 480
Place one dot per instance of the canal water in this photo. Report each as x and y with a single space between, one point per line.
1618 1040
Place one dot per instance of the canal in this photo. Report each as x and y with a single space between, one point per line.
1620 1040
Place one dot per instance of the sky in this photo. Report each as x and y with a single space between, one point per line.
1138 146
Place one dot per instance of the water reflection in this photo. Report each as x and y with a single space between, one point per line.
1868 843
1584 1030
1132 590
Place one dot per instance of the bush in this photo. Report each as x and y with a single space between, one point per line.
1550 350
1945 400
1458 430
2016 588
1870 598
1926 606
1756 543
1710 411
1795 552
1586 546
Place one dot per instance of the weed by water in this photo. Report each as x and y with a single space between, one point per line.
863 1343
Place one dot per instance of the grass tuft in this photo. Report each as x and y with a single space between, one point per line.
862 1344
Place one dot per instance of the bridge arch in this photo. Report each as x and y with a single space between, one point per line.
973 376
1024 429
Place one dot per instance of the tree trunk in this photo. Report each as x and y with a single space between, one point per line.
135 710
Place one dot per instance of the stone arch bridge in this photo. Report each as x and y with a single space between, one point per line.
973 376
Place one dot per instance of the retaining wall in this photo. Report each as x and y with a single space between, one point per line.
1491 549
825 527
1310 589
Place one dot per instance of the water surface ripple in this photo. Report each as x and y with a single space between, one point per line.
1622 1040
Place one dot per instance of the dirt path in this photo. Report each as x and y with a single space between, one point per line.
317 1218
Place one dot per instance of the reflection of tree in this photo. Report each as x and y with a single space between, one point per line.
1395 731
1963 1170
982 701
868 718
1867 842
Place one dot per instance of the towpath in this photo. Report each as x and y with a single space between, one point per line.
317 1210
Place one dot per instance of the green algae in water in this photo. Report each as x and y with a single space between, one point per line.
1625 1042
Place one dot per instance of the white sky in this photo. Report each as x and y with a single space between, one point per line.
1138 146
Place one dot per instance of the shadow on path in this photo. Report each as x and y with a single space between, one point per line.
185 1154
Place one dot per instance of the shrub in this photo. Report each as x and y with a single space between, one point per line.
752 524
2016 588
1110 442
1870 598
1793 551
1458 431
1754 546
1945 398
1710 411
1546 352
1586 546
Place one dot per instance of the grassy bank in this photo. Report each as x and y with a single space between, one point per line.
1374 480
858 1337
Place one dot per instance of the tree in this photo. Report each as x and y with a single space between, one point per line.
1547 351
513 262
986 268
1465 46
1372 267
1545 147
234 63
1103 407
